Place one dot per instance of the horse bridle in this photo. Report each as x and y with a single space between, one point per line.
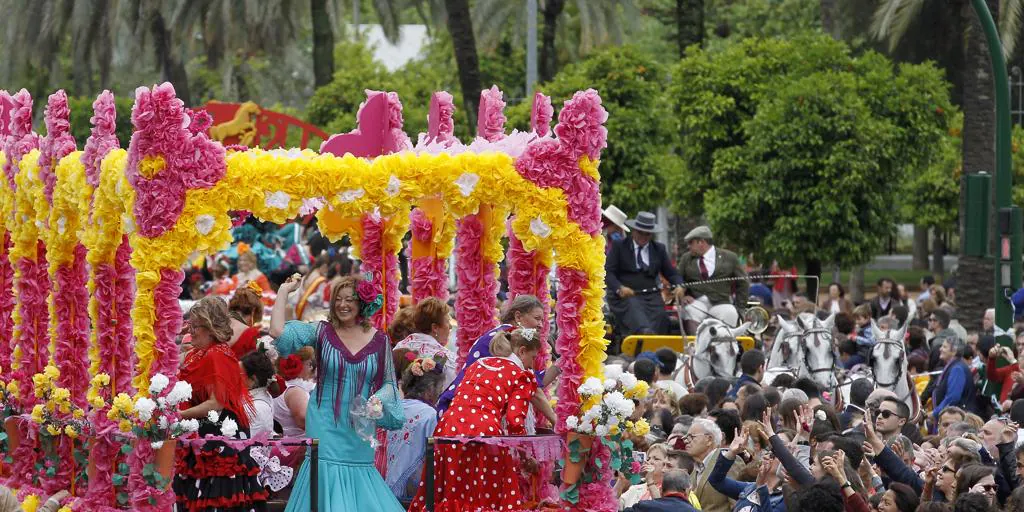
899 365
807 362
703 358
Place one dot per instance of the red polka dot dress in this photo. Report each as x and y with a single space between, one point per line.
492 400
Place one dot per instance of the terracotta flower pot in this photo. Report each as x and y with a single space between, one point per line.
13 434
573 470
163 459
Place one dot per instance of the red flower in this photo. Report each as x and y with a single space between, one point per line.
290 367
366 291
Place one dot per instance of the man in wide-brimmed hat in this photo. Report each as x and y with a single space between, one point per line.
720 286
613 226
633 268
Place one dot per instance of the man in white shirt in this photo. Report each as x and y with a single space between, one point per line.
728 284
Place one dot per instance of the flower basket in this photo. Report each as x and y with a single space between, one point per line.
579 445
13 434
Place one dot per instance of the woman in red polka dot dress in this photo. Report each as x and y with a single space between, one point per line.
492 400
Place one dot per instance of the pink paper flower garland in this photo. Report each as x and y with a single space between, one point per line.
102 138
528 275
22 139
377 251
429 274
58 142
6 308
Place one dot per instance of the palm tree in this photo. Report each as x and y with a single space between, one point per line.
600 23
892 21
689 24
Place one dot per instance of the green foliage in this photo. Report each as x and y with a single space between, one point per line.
931 196
81 113
795 150
634 165
740 19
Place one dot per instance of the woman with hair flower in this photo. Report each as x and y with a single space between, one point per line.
353 365
214 476
492 401
432 323
422 381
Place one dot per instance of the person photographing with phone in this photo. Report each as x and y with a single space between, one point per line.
764 494
1007 376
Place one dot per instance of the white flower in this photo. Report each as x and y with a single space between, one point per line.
612 421
394 186
162 422
601 431
619 404
158 383
181 392
351 195
161 402
61 225
539 228
127 224
229 428
191 425
204 224
466 183
279 199
144 408
572 422
613 371
157 445
609 384
820 415
628 380
586 428
591 387
213 416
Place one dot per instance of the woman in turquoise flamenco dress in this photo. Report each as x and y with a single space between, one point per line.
354 365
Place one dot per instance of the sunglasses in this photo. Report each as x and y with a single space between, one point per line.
947 469
689 436
985 488
884 414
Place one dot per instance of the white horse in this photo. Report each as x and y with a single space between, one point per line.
818 356
784 358
889 367
714 353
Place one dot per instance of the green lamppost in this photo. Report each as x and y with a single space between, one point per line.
1010 224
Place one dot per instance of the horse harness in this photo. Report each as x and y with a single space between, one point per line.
806 356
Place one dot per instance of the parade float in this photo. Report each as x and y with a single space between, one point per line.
94 242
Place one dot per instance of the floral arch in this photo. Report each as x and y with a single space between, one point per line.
94 240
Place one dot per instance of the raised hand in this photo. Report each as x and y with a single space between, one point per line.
872 437
766 422
739 443
1010 432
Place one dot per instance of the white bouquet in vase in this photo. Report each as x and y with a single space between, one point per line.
608 405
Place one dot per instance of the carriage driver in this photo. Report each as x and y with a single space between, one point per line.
632 270
706 262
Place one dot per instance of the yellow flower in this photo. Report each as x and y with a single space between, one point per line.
12 388
65 508
100 380
78 414
51 372
61 395
638 391
70 432
641 427
629 424
123 403
614 430
65 408
52 430
41 383
97 402
31 503
37 413
125 426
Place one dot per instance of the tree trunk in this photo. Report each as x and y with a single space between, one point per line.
974 275
812 287
938 253
548 55
689 24
323 44
829 18
920 258
460 26
171 67
856 288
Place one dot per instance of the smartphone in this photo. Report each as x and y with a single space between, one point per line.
640 457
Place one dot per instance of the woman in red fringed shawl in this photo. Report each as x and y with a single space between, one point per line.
213 476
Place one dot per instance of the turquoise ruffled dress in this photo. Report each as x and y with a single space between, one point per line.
348 479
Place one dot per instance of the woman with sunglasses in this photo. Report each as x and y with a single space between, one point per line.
977 478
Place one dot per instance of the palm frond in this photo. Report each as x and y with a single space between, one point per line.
1011 19
892 19
387 14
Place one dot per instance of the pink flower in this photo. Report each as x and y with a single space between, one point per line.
581 124
366 291
102 139
541 114
491 121
635 467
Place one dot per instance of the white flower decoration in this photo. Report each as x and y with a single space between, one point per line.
591 387
204 224
394 186
311 204
351 195
162 422
213 416
609 384
572 422
820 415
127 224
628 380
279 199
467 182
181 392
601 431
61 225
157 445
158 383
144 408
539 228
229 428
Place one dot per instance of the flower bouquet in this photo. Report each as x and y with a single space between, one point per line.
605 415
60 421
156 422
9 406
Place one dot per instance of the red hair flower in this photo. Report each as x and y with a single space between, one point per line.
290 367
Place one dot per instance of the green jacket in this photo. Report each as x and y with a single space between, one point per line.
727 264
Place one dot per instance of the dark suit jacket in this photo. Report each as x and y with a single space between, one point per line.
667 504
727 264
621 269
